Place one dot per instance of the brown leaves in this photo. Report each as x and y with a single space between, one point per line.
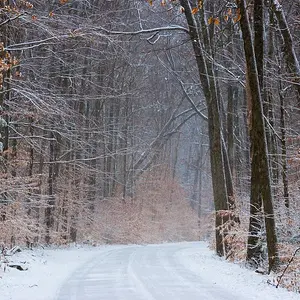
212 20
195 10
229 14
200 4
27 4
15 61
7 63
238 16
233 15
16 8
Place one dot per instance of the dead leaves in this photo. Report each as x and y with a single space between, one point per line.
212 20
26 4
200 4
195 10
238 16
235 16
229 14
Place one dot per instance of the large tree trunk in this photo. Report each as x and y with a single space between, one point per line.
260 177
207 80
254 249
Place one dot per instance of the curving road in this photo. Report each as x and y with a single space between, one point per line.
141 272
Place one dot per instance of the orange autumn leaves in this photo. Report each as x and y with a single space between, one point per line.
238 16
162 2
7 62
212 20
199 6
227 15
235 16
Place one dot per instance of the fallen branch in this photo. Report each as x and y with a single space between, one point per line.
12 251
18 267
290 261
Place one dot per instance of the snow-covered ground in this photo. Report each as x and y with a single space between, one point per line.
47 270
186 271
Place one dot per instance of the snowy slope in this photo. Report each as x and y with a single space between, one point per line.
184 271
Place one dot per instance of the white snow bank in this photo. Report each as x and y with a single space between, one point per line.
231 277
47 270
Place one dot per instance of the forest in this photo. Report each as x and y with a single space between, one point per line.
150 121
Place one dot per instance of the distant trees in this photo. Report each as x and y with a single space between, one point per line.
85 122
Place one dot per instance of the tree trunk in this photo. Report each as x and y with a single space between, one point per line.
285 180
269 108
290 54
254 249
207 80
260 177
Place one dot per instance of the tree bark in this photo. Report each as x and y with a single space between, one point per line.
207 80
285 179
290 54
254 248
260 177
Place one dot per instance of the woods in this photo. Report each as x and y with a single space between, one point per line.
152 121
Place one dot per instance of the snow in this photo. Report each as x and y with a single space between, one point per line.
185 271
47 270
234 278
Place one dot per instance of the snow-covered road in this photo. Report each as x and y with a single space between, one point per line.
136 273
185 271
